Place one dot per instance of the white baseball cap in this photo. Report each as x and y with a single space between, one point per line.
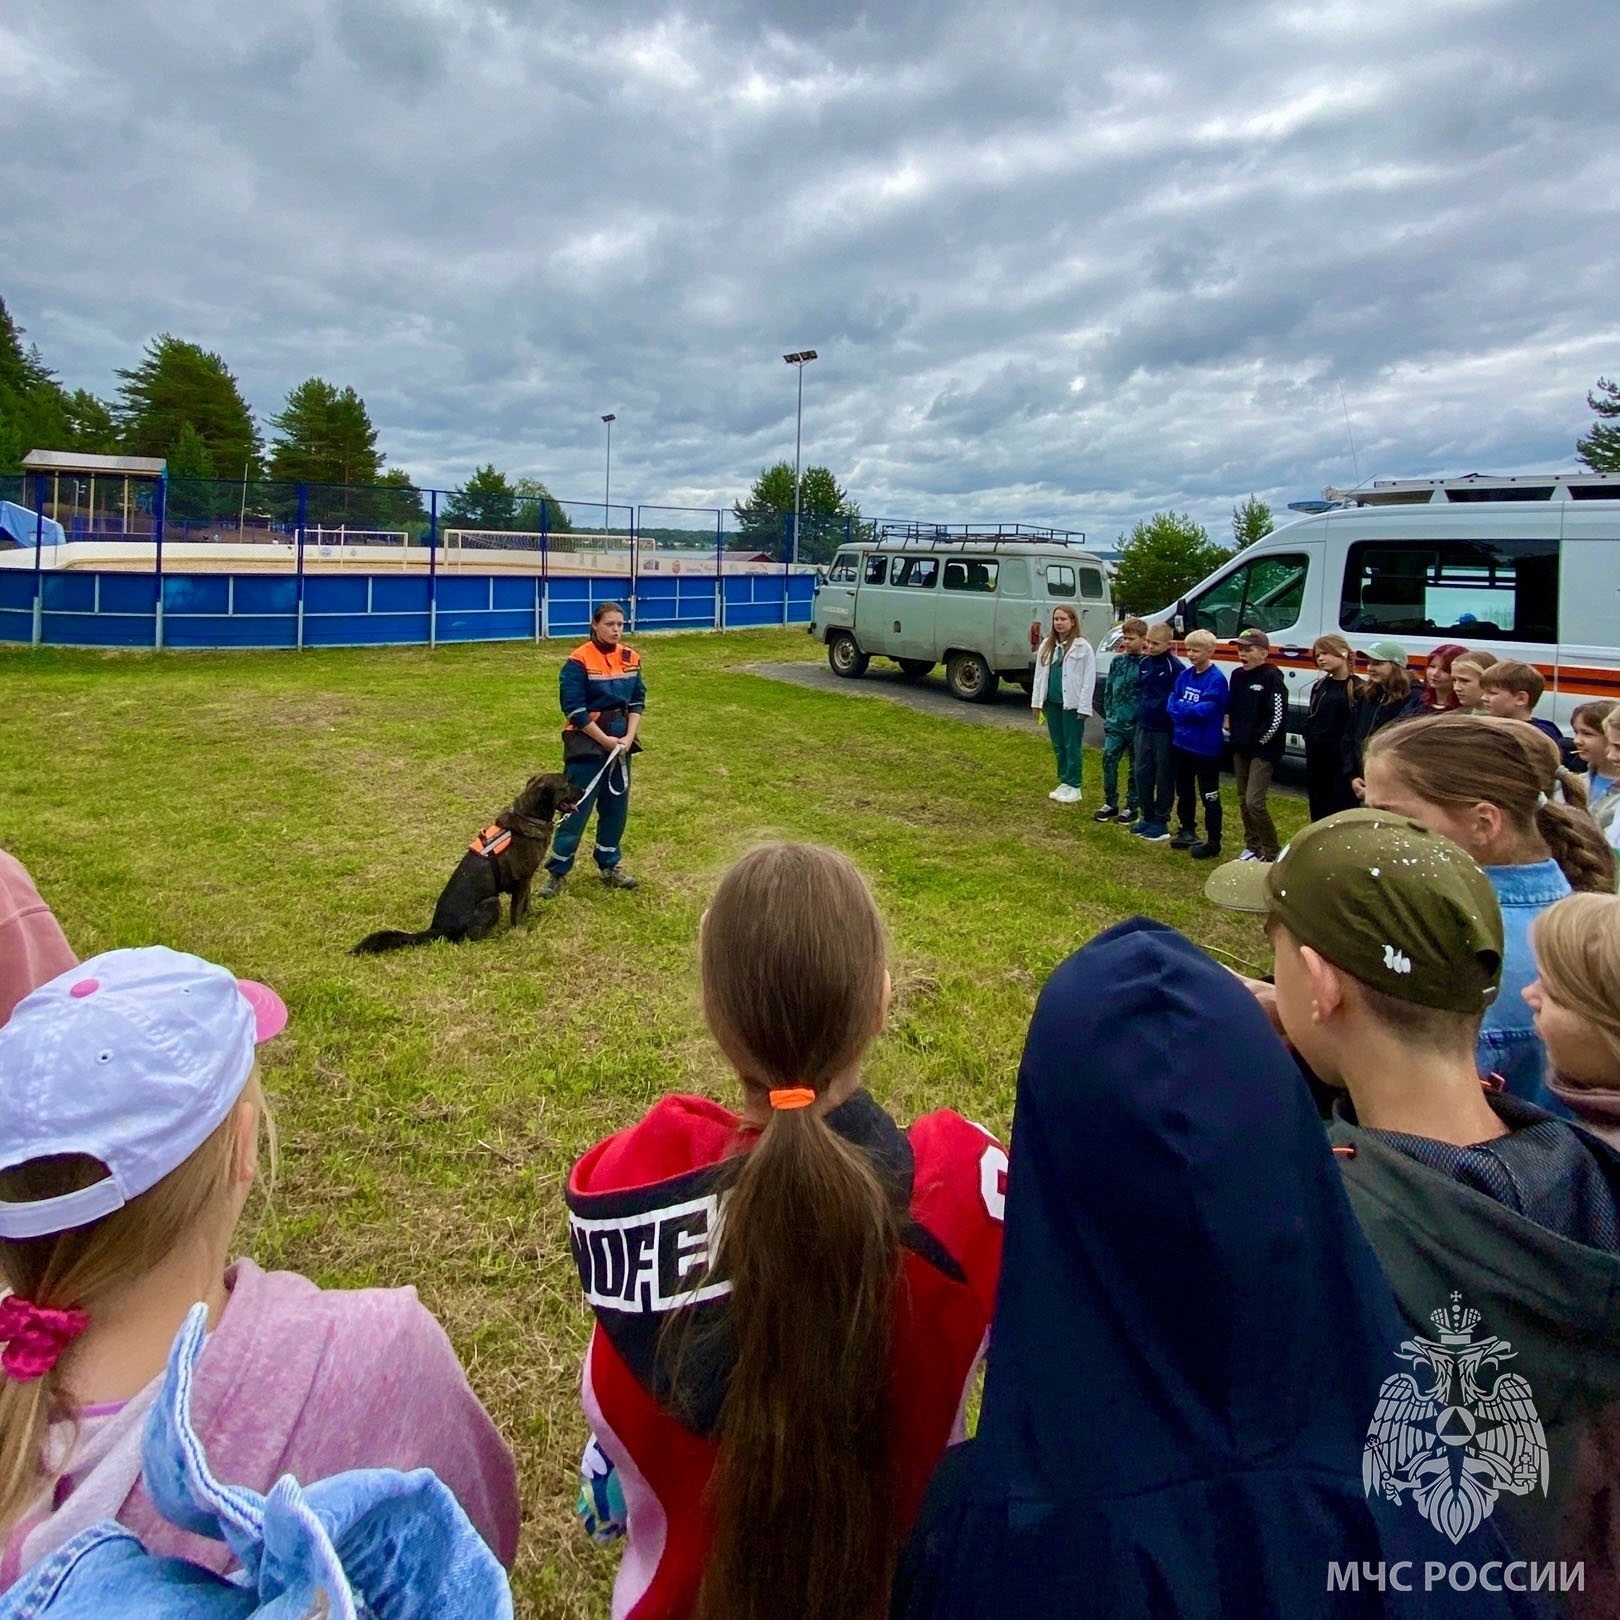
133 1058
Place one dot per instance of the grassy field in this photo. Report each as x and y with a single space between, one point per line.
266 810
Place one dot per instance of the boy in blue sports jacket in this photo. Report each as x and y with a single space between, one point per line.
1197 710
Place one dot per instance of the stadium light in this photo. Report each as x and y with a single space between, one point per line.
800 359
607 474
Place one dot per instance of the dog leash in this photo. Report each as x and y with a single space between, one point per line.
607 765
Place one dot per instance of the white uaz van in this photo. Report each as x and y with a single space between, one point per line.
1526 567
979 602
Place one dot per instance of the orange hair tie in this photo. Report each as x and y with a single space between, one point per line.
787 1097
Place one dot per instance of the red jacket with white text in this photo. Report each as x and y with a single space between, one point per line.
642 1207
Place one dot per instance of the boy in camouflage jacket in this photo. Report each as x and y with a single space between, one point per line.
1122 698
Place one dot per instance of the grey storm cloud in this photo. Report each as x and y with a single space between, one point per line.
1062 262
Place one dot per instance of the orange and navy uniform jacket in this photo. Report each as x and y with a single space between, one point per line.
601 684
642 1208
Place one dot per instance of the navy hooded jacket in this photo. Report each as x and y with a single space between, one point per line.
1190 1333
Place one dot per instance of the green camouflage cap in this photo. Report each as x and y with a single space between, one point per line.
1394 905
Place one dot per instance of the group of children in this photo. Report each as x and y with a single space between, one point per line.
1169 724
1179 1372
776 1401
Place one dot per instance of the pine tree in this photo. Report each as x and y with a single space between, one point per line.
192 494
765 520
178 382
534 495
397 503
1599 449
33 414
1250 522
324 437
485 501
1160 559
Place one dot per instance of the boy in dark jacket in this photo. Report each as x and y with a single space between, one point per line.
1495 1222
1197 709
1122 698
1256 719
1155 772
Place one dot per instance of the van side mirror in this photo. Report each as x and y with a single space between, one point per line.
1180 620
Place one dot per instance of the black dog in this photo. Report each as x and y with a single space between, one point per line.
502 859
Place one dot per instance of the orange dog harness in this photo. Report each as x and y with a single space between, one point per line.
491 841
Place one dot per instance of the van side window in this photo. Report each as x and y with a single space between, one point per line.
1475 590
876 568
1091 584
1059 579
971 574
1014 576
917 572
1265 594
843 569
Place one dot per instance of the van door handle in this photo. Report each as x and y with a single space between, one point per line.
1293 652
897 627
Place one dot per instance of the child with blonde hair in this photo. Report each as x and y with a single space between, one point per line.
1467 679
1576 1002
1197 709
772 1393
130 1116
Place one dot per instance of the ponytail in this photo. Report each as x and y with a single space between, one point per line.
1464 759
1577 843
802 1495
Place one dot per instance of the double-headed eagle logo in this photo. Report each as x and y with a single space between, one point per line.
1459 1443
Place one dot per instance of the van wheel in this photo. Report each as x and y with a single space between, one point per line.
914 669
845 658
970 678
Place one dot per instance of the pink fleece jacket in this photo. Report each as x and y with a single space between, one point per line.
32 946
295 1380
1598 1111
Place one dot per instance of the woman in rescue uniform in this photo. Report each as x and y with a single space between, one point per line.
599 687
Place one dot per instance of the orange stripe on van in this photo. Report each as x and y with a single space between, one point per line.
1568 680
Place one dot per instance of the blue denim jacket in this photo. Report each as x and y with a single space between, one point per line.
373 1542
1508 1043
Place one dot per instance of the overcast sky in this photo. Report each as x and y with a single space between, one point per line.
1066 262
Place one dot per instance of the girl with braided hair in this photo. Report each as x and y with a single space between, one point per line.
1487 784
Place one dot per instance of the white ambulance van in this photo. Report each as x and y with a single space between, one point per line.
1526 567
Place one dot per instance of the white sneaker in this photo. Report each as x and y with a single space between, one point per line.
1248 855
1069 795
1057 793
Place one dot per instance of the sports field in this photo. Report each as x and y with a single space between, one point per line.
267 809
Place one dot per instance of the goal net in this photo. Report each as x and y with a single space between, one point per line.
316 535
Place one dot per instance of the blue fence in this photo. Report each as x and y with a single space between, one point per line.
418 566
94 608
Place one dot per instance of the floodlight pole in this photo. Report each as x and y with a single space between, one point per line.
607 475
798 360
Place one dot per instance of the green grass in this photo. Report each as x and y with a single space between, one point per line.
267 809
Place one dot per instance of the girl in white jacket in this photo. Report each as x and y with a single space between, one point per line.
1065 675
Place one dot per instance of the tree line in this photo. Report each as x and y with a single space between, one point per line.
182 403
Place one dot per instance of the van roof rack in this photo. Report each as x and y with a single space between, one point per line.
907 533
1477 487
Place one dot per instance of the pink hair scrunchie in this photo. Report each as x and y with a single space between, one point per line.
35 1336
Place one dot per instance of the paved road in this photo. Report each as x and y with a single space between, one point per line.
1010 706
